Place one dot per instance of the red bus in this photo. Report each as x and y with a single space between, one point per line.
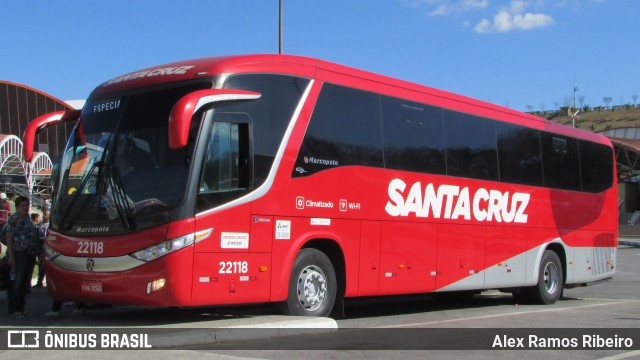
271 178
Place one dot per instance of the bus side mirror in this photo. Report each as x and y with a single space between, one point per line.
42 122
188 105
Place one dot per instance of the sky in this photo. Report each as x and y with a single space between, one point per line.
523 54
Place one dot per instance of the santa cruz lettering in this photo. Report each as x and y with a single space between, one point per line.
454 202
178 70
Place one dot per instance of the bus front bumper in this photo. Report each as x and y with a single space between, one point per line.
161 282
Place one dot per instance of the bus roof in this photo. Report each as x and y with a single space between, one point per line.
308 67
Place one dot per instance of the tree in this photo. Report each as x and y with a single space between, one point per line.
530 108
607 100
581 100
634 98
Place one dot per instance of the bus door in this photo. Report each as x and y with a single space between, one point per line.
228 264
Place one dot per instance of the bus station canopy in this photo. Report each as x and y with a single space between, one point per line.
626 144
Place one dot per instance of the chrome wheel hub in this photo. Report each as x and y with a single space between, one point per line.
312 288
551 277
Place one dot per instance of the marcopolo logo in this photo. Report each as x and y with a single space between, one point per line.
325 162
92 229
91 264
454 202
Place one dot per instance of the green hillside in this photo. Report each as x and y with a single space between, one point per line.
597 119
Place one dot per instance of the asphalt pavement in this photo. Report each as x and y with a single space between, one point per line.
168 327
177 326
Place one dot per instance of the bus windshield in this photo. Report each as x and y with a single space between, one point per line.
117 172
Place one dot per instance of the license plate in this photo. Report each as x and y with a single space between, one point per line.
91 286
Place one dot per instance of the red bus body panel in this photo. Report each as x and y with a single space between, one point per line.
382 254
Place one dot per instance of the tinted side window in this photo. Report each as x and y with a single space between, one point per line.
270 114
226 158
560 159
519 154
344 130
413 136
471 146
597 166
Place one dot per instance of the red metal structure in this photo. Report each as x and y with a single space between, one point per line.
271 178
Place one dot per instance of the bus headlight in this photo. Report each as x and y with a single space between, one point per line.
162 249
169 246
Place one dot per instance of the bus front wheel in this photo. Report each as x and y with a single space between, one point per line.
312 286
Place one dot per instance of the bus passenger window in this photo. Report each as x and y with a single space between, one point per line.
471 146
561 164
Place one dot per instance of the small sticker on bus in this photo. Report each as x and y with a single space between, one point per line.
232 240
283 229
320 221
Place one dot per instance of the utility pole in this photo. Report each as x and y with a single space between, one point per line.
573 117
280 31
573 110
575 90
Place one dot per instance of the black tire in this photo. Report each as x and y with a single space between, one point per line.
550 280
312 285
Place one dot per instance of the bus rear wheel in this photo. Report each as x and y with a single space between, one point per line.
550 282
312 286
550 279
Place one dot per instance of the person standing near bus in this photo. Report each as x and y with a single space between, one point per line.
43 226
5 210
22 237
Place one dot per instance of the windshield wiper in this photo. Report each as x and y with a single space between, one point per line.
120 200
76 195
112 179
